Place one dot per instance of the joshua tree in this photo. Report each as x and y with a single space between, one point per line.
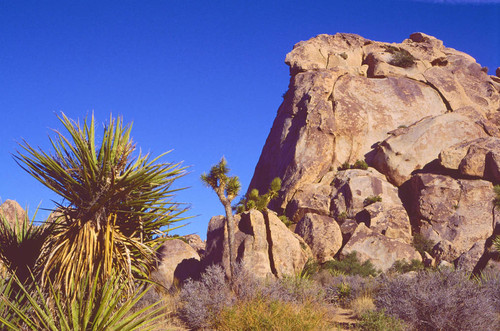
114 204
257 201
226 188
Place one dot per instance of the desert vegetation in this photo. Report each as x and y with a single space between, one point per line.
88 266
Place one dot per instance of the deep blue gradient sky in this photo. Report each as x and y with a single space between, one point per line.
204 78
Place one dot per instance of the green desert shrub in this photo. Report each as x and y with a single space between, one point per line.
421 244
343 290
253 200
379 321
95 306
372 199
359 164
400 57
115 204
403 266
350 265
444 300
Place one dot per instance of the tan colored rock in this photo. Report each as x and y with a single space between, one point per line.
478 158
289 251
195 241
177 262
389 220
379 249
310 198
322 234
469 260
453 213
352 187
263 243
412 148
11 211
324 51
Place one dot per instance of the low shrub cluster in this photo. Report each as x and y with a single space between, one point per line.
444 300
359 164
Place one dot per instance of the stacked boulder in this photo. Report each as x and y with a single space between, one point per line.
423 116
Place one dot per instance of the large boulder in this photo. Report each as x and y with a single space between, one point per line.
454 213
347 93
322 234
177 261
263 243
380 250
412 148
476 158
12 212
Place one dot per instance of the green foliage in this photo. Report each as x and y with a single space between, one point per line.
114 204
344 166
342 217
218 180
496 243
310 268
400 57
343 55
372 199
285 220
402 266
254 200
359 164
421 244
496 201
350 265
96 307
21 245
379 321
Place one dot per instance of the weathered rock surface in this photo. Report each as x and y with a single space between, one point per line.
177 261
263 243
379 249
351 188
322 234
477 158
11 211
468 260
196 243
347 94
390 220
410 149
454 213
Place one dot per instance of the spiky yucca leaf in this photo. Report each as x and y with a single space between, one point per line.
96 307
115 205
21 245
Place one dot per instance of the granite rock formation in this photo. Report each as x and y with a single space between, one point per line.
423 116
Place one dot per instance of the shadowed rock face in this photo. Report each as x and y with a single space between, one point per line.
424 117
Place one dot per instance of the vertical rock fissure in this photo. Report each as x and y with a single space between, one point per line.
269 243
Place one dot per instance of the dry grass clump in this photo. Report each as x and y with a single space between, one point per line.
362 305
268 314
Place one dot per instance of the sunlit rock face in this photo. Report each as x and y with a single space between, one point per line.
425 119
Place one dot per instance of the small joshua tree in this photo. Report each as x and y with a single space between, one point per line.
257 201
226 188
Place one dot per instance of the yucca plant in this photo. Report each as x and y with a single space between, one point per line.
115 206
21 245
96 306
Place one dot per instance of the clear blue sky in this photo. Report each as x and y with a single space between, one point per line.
204 78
